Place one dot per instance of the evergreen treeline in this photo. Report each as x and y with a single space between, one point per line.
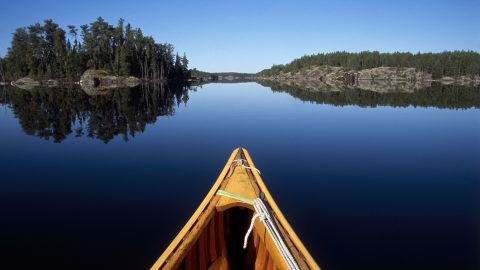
48 51
456 63
198 73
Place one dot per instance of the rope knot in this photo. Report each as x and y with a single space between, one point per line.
241 162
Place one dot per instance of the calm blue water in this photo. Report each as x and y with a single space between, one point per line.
364 187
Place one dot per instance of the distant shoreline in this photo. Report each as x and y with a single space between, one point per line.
334 75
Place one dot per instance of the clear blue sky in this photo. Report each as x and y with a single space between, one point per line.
248 36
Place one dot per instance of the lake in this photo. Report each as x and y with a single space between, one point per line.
367 180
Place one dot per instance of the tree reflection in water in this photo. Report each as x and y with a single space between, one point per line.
58 112
395 95
106 113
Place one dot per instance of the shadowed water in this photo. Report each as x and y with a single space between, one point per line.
368 180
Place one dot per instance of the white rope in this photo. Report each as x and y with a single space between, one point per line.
262 212
245 241
241 162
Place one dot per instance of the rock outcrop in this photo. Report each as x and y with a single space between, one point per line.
340 74
96 81
26 83
379 86
384 75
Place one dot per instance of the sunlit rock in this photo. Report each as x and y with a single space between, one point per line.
97 82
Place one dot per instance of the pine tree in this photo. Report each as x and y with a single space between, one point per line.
18 54
74 59
185 66
35 33
178 68
127 53
118 46
138 68
44 51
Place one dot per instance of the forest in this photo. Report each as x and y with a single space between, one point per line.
448 63
46 51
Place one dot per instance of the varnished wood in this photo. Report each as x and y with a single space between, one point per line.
201 243
194 219
220 236
242 184
220 264
212 246
202 251
282 220
262 257
191 259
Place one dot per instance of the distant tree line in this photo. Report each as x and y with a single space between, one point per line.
195 73
448 63
45 52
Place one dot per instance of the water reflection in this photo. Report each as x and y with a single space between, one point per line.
371 94
58 112
55 113
367 183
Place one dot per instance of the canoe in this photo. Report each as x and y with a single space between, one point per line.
238 211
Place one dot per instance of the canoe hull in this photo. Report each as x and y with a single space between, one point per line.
213 236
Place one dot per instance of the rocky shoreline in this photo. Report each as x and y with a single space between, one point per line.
335 86
99 80
27 83
330 75
96 82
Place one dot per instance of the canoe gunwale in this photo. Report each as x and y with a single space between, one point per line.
179 239
280 218
179 247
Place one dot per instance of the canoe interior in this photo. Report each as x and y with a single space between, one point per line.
213 237
220 245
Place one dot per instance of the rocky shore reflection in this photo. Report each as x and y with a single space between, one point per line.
56 113
372 94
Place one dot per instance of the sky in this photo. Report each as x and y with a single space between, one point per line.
248 36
